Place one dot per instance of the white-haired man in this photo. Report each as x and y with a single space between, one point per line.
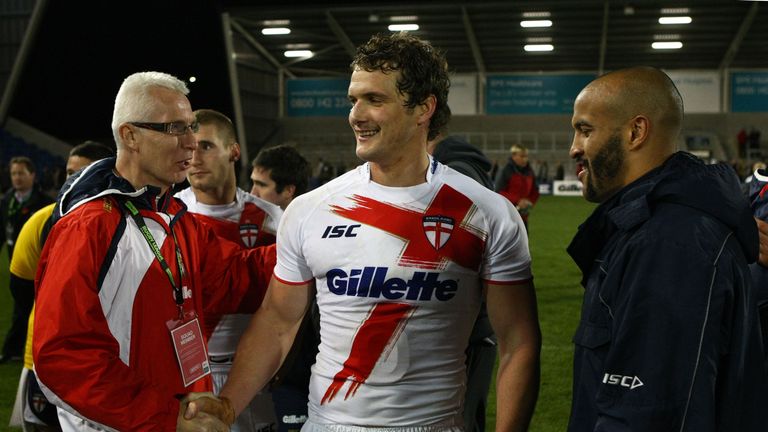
126 275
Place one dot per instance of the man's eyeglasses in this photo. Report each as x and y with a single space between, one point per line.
174 128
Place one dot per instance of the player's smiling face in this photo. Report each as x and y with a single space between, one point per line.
384 127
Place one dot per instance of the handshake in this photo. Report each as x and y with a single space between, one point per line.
201 412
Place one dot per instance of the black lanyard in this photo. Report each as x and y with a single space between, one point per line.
177 291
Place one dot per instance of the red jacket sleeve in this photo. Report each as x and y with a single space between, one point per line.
234 279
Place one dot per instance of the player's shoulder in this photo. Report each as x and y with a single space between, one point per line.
186 195
271 209
471 188
103 211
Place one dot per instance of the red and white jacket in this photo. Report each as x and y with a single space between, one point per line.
102 349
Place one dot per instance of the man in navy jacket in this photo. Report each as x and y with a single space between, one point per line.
668 338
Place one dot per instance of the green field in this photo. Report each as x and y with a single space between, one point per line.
552 225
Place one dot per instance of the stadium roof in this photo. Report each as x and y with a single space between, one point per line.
487 36
84 49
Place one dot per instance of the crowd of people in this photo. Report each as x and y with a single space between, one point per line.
168 298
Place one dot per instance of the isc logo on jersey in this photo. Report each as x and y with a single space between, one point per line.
373 282
338 231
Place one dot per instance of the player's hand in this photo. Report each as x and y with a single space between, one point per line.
196 404
524 204
194 419
762 228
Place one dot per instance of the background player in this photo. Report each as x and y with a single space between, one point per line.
214 198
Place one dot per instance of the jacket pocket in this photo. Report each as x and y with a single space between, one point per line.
591 336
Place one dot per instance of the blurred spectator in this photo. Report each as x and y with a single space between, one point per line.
741 143
18 204
462 156
542 174
560 172
517 182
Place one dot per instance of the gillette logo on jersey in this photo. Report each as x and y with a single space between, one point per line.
372 282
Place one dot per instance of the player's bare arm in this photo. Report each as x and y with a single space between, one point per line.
513 314
266 342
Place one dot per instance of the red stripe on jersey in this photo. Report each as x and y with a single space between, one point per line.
377 335
285 282
464 247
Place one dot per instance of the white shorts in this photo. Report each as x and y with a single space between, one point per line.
311 426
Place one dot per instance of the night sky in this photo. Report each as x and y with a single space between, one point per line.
84 50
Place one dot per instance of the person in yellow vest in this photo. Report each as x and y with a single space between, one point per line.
32 411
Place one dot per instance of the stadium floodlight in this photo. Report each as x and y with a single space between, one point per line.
667 45
675 20
538 47
275 31
535 23
403 27
298 53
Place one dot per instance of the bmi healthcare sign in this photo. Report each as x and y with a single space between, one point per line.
533 94
700 90
316 97
749 91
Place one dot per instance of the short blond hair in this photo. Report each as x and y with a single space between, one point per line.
517 148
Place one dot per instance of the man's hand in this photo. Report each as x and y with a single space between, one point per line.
198 421
524 204
205 412
762 228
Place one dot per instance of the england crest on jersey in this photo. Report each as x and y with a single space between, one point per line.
38 403
438 229
248 234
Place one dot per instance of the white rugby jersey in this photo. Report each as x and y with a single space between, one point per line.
249 221
398 274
